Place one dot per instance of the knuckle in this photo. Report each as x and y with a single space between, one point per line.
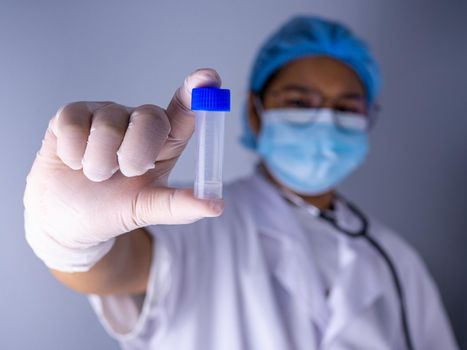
138 211
110 131
111 120
152 115
72 117
93 106
110 107
149 109
147 207
161 202
72 129
72 108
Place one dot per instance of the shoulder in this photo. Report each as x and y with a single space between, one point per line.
428 321
408 262
394 243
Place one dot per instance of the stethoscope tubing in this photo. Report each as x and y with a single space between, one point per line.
364 233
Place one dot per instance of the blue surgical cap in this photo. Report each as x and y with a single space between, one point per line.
304 36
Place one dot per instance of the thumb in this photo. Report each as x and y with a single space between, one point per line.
180 115
154 206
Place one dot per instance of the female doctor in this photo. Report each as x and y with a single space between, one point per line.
290 264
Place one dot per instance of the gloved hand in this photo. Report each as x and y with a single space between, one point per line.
102 171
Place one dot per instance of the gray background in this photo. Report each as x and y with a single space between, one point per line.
53 52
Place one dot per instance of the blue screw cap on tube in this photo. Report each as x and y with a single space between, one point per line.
210 99
210 106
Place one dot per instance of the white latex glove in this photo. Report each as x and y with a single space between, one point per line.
102 171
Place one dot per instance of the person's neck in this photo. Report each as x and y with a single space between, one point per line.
322 201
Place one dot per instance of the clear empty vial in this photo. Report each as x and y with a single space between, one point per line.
210 105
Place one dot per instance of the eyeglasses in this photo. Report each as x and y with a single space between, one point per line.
346 107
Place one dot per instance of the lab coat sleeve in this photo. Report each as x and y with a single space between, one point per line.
129 317
429 325
427 317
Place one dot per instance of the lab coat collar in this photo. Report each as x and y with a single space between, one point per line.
358 285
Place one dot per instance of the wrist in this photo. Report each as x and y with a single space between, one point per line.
58 257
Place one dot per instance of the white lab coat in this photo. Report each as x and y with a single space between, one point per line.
248 280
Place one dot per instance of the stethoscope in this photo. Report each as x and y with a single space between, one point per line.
363 232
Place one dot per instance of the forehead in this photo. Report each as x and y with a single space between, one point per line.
329 76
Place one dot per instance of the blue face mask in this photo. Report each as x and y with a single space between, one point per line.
310 151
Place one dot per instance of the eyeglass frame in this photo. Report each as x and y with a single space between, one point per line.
371 109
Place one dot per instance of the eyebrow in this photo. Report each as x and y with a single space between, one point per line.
306 89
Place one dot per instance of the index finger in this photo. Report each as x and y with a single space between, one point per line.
71 126
181 118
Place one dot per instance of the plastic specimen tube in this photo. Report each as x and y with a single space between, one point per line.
210 105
